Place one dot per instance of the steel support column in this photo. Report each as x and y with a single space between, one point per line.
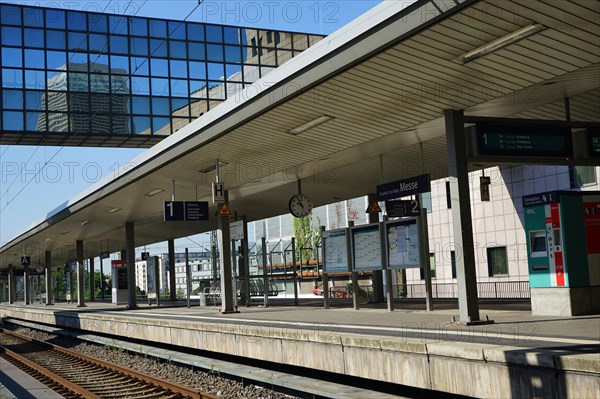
130 248
377 274
49 296
11 284
461 216
225 261
80 275
92 280
172 288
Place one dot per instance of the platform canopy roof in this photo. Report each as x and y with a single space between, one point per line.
384 81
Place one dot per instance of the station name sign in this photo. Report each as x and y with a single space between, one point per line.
402 188
523 140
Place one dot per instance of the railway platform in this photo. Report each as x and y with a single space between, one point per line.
536 356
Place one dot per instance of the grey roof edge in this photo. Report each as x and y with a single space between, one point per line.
381 27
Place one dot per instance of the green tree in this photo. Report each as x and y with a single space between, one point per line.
307 237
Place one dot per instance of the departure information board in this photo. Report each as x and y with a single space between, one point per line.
403 244
335 247
514 140
593 139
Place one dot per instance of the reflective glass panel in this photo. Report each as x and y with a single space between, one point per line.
178 69
77 41
98 43
179 88
56 39
99 83
216 71
198 107
216 90
176 30
57 101
33 100
119 45
179 123
12 78
233 89
141 105
99 63
12 120
100 103
300 42
195 32
177 49
244 36
34 122
214 34
119 64
11 15
233 54
160 87
34 38
158 28
139 66
120 84
100 123
120 104
141 125
140 85
57 81
78 82
120 125
138 27
12 99
34 59
56 59
58 122
80 102
76 21
179 106
118 24
231 35
268 58
33 17
283 56
12 57
160 106
214 52
233 72
196 51
198 88
35 79
158 48
98 23
160 67
78 61
197 70
55 19
161 126
11 36
139 46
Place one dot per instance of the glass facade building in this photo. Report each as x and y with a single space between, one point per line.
83 78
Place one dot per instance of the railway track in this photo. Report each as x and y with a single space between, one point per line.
74 375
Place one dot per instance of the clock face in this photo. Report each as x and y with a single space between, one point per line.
300 205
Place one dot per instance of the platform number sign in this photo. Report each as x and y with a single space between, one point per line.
25 260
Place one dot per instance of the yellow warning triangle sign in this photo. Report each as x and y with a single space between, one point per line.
224 210
374 208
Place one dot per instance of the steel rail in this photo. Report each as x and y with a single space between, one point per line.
178 389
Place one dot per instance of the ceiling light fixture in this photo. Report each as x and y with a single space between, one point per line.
502 42
154 192
210 167
84 222
64 232
311 124
113 210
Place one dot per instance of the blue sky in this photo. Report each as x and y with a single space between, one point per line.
29 190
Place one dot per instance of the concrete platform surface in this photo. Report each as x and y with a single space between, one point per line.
519 355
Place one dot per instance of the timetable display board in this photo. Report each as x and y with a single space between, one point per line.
335 248
403 247
366 247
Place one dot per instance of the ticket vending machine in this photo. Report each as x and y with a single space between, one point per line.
563 252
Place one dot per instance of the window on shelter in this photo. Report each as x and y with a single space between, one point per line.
497 261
